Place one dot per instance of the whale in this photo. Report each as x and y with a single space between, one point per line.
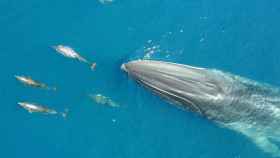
230 101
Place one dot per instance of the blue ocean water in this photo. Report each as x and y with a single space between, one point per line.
241 37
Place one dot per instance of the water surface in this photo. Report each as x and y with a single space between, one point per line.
241 37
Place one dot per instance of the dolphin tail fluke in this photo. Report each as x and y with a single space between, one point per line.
64 114
48 88
54 88
93 66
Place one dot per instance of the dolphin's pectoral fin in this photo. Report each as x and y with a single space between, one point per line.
267 146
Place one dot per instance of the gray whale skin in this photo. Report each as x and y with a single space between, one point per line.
231 101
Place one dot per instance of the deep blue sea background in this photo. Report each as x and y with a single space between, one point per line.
237 36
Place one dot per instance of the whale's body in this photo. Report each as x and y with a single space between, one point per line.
240 104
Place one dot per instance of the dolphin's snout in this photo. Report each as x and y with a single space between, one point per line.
21 104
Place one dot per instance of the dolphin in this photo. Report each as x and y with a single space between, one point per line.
71 53
231 101
103 100
37 108
26 80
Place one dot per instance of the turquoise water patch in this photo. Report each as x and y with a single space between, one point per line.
236 36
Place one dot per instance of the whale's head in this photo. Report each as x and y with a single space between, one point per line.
197 89
235 102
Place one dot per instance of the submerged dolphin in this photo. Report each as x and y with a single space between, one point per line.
231 101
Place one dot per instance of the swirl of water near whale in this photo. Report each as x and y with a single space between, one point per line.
237 103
